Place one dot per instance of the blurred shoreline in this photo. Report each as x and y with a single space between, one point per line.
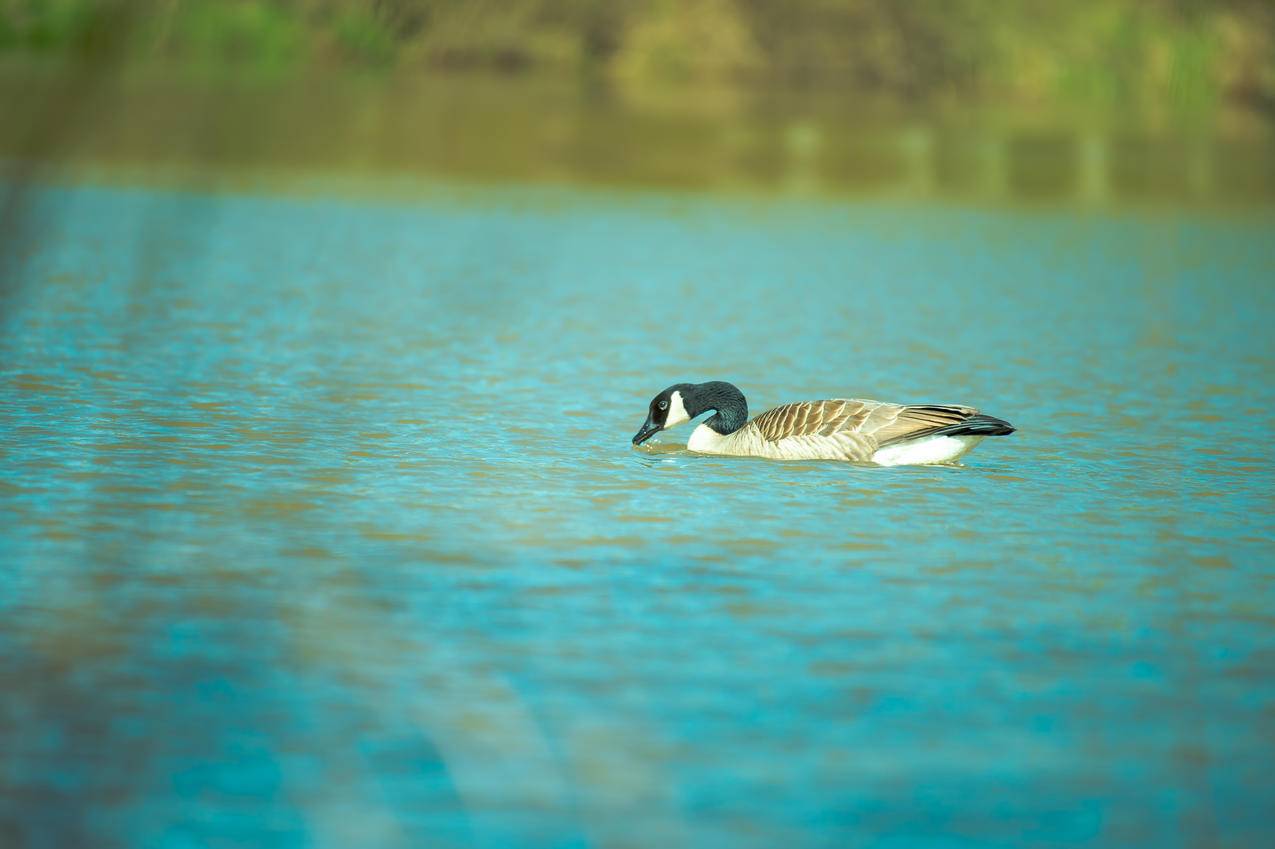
543 129
1187 56
1090 104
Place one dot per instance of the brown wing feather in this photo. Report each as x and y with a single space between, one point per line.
809 418
883 423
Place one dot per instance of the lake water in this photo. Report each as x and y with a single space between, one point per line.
321 526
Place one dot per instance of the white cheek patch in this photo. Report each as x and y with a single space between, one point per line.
676 411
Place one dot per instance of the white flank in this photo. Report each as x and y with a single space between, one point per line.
928 449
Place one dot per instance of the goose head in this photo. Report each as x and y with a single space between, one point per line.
668 409
682 402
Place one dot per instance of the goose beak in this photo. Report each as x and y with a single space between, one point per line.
648 430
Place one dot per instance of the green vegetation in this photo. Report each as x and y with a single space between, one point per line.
1188 53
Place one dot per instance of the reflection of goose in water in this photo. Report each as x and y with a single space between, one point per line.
840 429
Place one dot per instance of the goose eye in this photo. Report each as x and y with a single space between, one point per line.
664 405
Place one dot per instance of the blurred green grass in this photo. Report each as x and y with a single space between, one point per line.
1091 101
1178 54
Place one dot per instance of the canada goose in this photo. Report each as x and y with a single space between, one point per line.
840 429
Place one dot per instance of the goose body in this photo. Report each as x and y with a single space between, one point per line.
850 429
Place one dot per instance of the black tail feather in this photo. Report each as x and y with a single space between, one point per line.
977 425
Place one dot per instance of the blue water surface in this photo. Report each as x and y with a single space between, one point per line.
320 525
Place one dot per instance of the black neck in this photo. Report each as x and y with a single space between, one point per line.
728 402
